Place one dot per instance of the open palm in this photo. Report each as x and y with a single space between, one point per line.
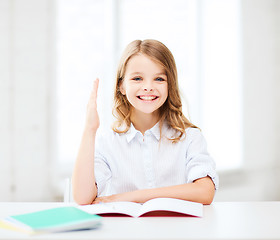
92 118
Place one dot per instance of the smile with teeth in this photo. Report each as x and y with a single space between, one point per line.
147 97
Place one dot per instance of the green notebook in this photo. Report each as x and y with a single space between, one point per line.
54 220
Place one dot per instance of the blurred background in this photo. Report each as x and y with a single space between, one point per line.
228 58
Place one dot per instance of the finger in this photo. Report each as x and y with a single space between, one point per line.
95 87
93 94
97 200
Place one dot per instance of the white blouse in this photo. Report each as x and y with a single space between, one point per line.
131 161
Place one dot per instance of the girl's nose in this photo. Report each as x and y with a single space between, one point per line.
148 87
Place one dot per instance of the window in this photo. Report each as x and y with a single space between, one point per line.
202 35
220 81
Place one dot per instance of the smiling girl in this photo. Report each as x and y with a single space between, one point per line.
153 150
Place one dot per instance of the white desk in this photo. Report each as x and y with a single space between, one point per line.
221 220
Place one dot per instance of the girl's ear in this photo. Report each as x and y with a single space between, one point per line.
122 89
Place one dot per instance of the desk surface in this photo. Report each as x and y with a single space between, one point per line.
221 220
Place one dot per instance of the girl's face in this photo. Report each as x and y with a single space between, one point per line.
145 85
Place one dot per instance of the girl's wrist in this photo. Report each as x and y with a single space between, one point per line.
91 130
139 196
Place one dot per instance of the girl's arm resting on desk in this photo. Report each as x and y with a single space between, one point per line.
201 190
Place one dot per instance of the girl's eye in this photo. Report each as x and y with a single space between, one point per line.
159 79
137 79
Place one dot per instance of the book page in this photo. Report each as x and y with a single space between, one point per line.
127 208
173 205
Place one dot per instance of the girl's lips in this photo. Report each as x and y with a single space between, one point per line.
147 97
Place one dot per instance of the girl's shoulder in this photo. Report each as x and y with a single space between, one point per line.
103 135
107 134
194 135
171 131
193 131
174 131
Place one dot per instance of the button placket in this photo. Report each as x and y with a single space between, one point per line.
148 161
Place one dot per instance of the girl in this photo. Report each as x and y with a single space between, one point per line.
152 150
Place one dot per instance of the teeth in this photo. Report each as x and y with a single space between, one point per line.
147 98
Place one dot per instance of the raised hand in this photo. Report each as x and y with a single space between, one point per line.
92 118
84 188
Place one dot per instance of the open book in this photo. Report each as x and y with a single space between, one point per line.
154 207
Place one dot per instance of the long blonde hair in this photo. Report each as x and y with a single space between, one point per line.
171 110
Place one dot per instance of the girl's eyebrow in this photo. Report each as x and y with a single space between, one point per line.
140 73
135 73
161 73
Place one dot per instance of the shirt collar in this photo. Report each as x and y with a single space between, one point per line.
132 132
155 130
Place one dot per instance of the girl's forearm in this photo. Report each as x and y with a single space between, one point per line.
83 180
202 191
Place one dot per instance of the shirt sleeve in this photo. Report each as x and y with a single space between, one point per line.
199 163
102 169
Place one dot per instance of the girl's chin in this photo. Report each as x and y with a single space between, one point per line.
145 111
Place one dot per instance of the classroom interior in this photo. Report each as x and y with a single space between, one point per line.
228 58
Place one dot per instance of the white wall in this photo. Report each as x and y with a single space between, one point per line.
26 85
27 102
260 178
5 101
